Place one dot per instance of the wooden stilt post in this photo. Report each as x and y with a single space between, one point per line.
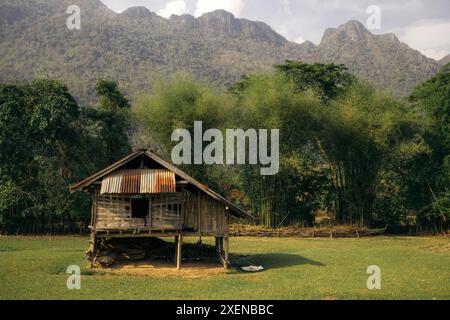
179 247
93 248
223 251
175 257
226 252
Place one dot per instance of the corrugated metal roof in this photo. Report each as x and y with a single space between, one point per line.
143 181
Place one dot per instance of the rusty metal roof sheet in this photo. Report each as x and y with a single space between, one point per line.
143 181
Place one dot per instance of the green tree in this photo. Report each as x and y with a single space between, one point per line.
113 116
428 174
327 80
302 184
363 134
47 142
39 142
175 104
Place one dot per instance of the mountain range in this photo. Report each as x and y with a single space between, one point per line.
137 45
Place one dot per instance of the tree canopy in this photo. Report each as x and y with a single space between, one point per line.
328 80
47 142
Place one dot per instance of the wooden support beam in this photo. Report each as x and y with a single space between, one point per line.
92 242
226 252
222 250
94 210
199 212
179 245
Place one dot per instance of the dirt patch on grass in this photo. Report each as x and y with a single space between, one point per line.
112 252
191 270
439 248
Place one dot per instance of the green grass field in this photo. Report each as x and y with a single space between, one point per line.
412 268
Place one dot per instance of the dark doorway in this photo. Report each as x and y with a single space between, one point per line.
140 208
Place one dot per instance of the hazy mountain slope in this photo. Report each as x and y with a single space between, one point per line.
382 59
444 61
137 45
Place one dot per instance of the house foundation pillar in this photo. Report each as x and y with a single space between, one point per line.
178 248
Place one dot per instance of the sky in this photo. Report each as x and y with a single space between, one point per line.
423 24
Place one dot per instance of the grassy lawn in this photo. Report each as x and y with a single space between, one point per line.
412 268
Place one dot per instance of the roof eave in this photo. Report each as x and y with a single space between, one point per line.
82 185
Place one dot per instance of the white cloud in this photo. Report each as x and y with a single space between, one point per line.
283 30
299 40
436 54
429 37
233 6
176 7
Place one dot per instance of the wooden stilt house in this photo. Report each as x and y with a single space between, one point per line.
145 196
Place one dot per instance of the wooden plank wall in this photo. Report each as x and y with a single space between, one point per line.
213 220
169 212
166 211
190 211
115 212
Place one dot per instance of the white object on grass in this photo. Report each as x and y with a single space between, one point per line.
253 268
